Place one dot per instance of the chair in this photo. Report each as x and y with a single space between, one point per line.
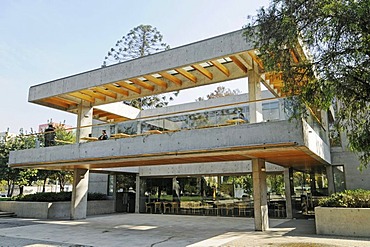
149 207
158 207
167 206
175 207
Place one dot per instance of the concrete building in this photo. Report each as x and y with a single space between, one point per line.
241 135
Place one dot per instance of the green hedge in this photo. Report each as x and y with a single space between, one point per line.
348 199
56 197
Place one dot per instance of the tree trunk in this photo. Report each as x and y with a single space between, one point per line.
44 184
21 187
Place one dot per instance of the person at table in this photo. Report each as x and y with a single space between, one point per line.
103 135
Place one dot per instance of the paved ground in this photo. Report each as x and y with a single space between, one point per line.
164 230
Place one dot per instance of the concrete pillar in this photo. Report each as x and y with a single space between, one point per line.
137 195
288 182
261 220
79 194
84 118
330 177
254 90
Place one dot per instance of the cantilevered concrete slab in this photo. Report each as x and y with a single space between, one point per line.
217 59
278 142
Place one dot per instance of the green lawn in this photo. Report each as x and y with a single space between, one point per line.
4 199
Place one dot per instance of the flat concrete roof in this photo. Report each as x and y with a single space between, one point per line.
222 58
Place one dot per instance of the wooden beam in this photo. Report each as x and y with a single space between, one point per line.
116 89
187 75
54 101
129 86
239 64
105 92
93 94
82 96
295 58
170 77
156 81
66 101
142 84
203 71
221 68
256 59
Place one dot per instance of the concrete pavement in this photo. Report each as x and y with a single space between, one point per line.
164 230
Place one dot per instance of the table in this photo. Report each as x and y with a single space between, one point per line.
89 139
119 135
153 132
236 121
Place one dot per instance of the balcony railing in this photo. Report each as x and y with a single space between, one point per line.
211 117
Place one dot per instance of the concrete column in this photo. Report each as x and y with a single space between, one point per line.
330 177
288 182
137 195
254 90
84 118
79 194
261 220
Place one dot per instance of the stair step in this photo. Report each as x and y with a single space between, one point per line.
7 214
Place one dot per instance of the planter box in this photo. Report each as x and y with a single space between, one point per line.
54 210
343 221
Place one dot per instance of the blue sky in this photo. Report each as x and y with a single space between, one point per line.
44 40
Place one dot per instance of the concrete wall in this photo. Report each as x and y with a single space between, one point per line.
54 210
343 221
232 167
315 143
354 178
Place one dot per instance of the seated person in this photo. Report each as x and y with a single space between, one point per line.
103 136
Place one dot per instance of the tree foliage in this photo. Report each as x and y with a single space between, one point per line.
336 33
141 41
220 92
15 176
26 177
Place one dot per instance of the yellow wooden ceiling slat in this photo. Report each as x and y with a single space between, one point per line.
295 58
203 71
82 96
66 101
55 102
116 89
93 94
221 67
172 78
155 80
129 87
142 84
256 59
239 64
105 92
187 75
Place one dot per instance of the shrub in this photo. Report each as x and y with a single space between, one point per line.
348 199
56 197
